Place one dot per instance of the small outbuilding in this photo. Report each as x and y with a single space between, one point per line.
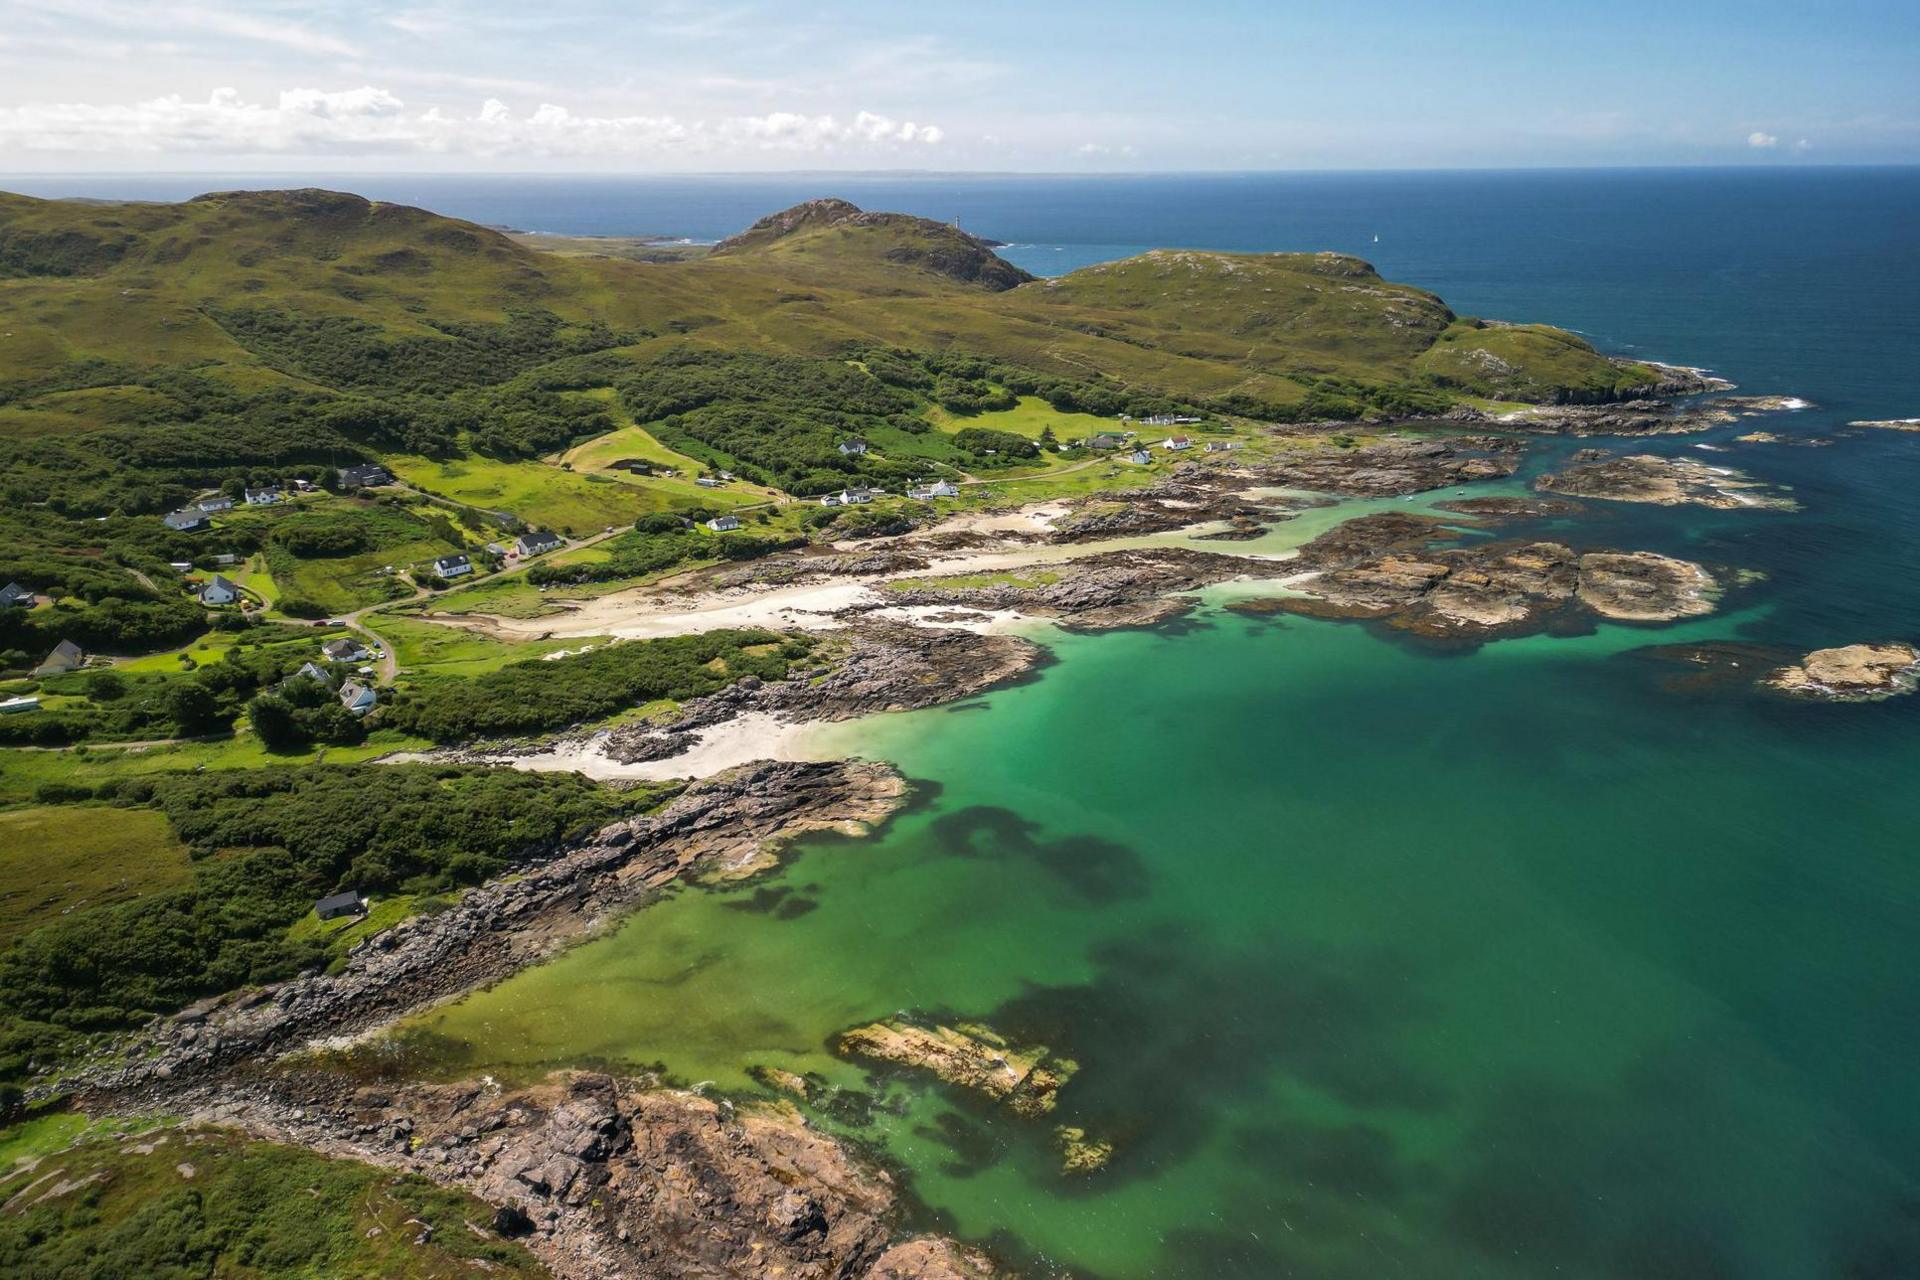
337 906
66 656
15 596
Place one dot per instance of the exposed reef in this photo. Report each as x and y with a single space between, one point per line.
1642 417
1026 1078
1098 592
1386 568
1642 477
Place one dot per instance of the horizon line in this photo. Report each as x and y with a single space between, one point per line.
1757 166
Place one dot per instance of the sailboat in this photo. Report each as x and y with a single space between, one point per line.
1376 237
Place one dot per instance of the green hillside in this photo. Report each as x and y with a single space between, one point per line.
154 353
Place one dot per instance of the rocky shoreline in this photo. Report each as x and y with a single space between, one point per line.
606 1178
602 1177
731 825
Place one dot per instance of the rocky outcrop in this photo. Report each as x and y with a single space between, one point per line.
1390 468
1651 417
873 666
1025 1078
1386 567
1889 424
1114 588
726 825
607 1178
1851 673
1666 482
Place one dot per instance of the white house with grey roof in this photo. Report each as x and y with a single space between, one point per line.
219 591
358 698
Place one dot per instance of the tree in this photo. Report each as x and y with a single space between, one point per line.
192 707
272 718
106 686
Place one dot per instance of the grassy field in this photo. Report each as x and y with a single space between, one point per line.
540 494
56 858
183 1202
22 772
1029 418
428 648
631 441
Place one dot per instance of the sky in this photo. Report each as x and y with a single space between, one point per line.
674 86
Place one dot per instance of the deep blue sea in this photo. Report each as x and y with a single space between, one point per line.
1380 962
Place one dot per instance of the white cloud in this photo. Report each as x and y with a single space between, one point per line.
1762 141
370 120
1092 149
206 18
1803 146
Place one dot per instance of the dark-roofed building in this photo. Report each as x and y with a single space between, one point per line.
15 596
854 448
724 524
453 566
1106 440
219 503
538 542
344 649
263 497
335 906
365 476
186 520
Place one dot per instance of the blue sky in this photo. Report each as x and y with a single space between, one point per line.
645 86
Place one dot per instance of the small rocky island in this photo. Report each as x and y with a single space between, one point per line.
1386 568
1850 673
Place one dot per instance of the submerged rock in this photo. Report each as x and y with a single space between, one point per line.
1080 1154
1850 673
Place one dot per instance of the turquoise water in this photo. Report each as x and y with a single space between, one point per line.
1382 960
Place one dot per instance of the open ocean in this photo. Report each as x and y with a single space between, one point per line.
1379 961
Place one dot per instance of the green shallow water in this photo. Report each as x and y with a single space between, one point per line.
1378 963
